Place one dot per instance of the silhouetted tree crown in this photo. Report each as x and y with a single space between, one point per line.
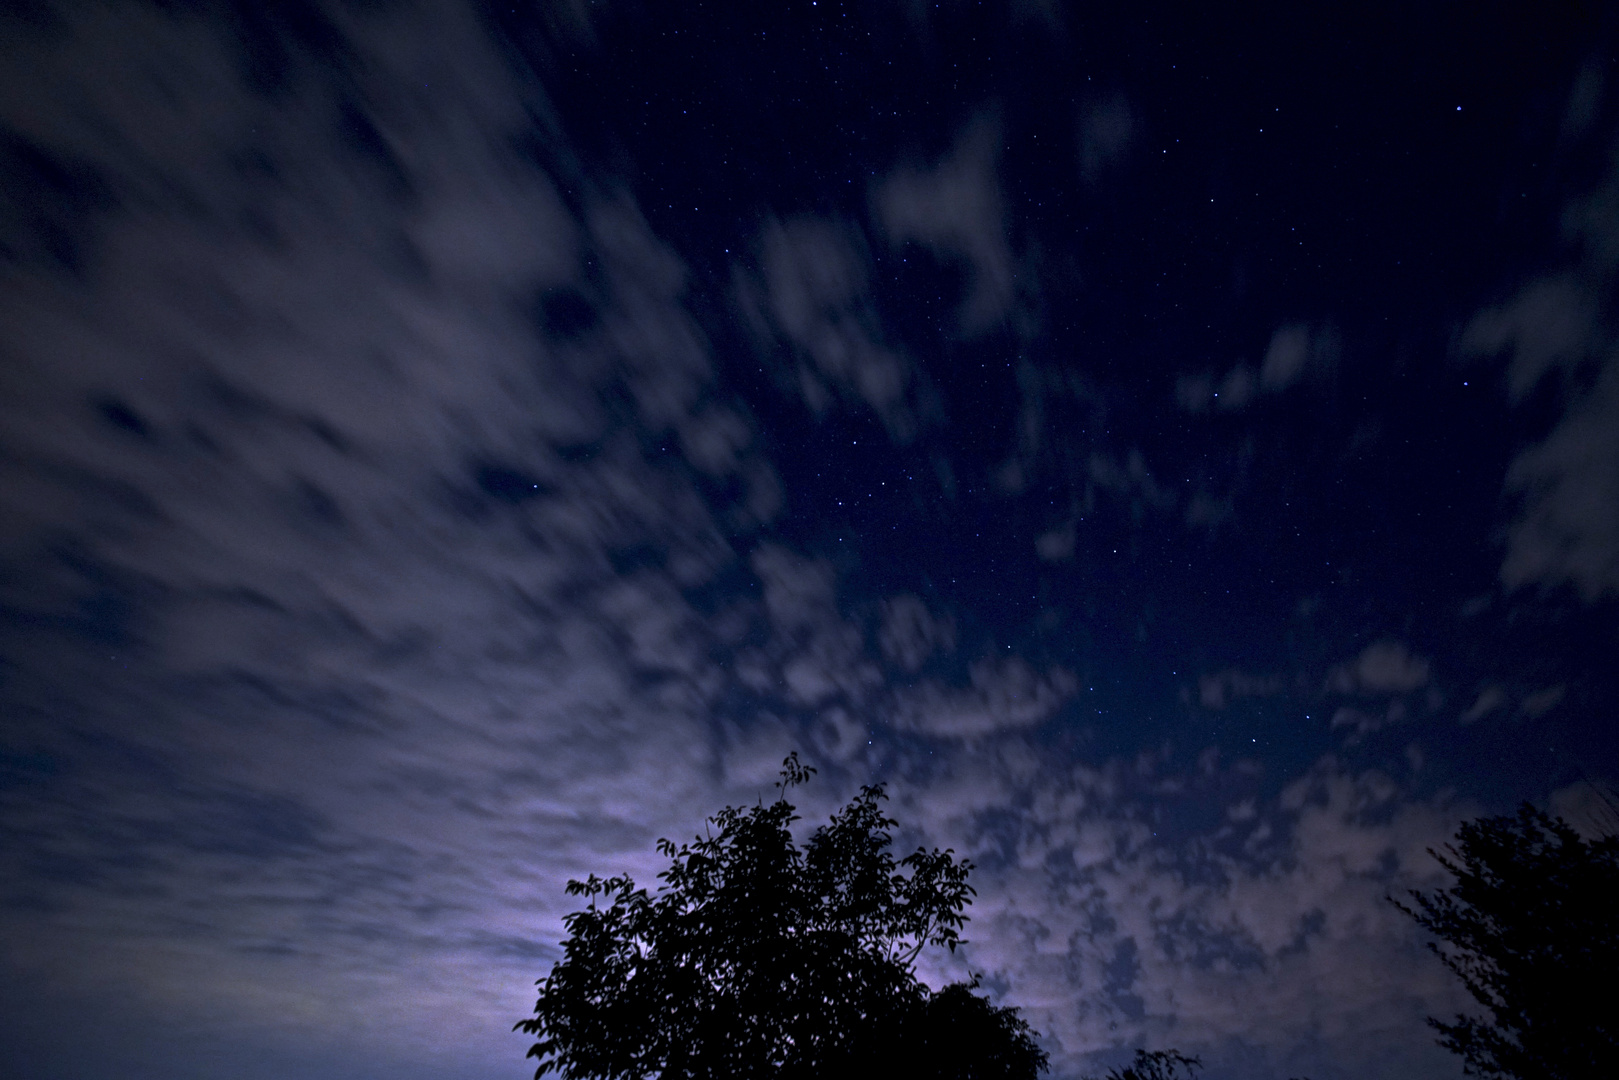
1157 1065
1160 1065
760 958
1531 926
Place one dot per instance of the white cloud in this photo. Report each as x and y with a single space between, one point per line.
911 634
409 638
1220 689
1002 695
1270 930
1056 545
1106 129
1488 701
1132 483
1548 327
816 274
1295 350
1541 702
1289 351
407 641
955 208
1566 487
819 654
1593 810
1131 478
1383 667
1205 511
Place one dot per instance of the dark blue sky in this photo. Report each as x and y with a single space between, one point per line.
444 448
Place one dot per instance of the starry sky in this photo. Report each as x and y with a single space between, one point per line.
446 447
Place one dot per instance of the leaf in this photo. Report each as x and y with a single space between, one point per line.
757 957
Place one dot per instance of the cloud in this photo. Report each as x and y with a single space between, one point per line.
799 593
1548 327
1267 929
1221 689
1488 701
1106 128
1294 351
1056 545
1002 695
1382 668
1204 511
955 209
1592 809
1131 478
817 653
1133 484
1289 351
1566 487
816 278
1362 722
1541 702
911 634
348 607
1194 393
365 576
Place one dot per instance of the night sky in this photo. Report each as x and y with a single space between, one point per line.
445 448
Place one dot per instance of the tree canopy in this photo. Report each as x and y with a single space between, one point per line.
759 957
1531 927
1157 1065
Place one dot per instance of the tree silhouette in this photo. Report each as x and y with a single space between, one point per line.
1531 926
757 957
1157 1065
1160 1065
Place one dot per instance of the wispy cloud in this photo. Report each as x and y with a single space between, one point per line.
1566 486
1001 696
380 546
1118 927
1295 351
353 612
816 275
955 209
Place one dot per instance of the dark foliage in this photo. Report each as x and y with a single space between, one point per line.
758 958
1157 1065
1531 926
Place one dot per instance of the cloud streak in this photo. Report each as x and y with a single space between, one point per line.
381 545
351 608
1566 486
955 210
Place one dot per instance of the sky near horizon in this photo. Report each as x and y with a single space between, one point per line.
446 447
